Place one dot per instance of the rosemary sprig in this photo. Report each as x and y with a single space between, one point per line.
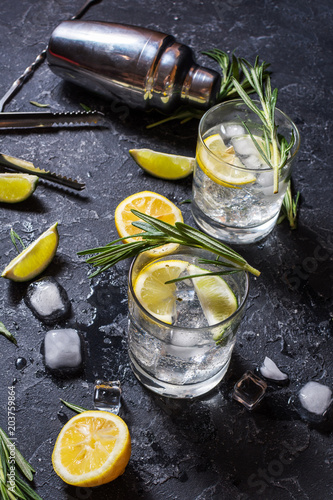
156 233
289 207
231 68
275 148
6 333
20 489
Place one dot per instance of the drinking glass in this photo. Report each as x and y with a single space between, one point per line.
182 361
233 198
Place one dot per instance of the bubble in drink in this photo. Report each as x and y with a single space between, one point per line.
63 350
48 300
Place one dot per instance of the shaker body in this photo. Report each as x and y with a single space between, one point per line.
144 68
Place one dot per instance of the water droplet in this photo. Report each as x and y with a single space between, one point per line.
20 363
62 417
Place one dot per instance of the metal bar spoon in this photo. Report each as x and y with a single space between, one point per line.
40 58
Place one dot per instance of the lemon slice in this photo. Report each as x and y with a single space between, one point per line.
162 165
222 172
93 448
152 204
217 300
17 187
35 258
155 296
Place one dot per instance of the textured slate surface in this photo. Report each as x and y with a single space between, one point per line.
210 448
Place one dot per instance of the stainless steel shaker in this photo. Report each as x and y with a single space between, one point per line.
144 68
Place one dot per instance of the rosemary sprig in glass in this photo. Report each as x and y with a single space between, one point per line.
156 233
275 148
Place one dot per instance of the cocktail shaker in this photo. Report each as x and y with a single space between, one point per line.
144 68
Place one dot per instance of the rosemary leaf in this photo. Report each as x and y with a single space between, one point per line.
26 469
3 491
27 489
7 334
39 105
78 409
14 236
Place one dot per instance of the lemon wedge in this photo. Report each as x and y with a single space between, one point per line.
155 296
217 300
35 258
152 204
17 187
163 165
93 448
219 166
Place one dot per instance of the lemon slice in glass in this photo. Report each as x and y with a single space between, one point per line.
35 258
17 187
155 296
93 448
217 300
163 165
219 165
152 204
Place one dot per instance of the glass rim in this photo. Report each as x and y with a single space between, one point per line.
244 169
186 328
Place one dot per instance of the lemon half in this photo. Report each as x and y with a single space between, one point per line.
150 203
93 448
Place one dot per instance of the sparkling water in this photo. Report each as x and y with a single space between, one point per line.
172 359
246 205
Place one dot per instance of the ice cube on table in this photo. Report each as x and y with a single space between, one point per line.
107 396
315 398
270 371
249 390
63 350
47 299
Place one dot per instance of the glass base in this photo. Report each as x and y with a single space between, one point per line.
230 234
186 391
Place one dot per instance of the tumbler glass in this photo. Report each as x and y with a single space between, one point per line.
189 358
233 195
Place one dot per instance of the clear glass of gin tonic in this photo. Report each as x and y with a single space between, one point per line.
181 335
233 193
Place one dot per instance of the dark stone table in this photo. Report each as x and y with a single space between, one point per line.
210 448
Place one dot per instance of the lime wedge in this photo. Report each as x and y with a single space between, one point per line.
162 165
217 300
35 258
222 172
16 187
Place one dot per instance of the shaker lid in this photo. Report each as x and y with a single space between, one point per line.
200 87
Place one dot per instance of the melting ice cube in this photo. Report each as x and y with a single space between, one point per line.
270 371
63 350
315 397
107 396
232 130
47 299
249 390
